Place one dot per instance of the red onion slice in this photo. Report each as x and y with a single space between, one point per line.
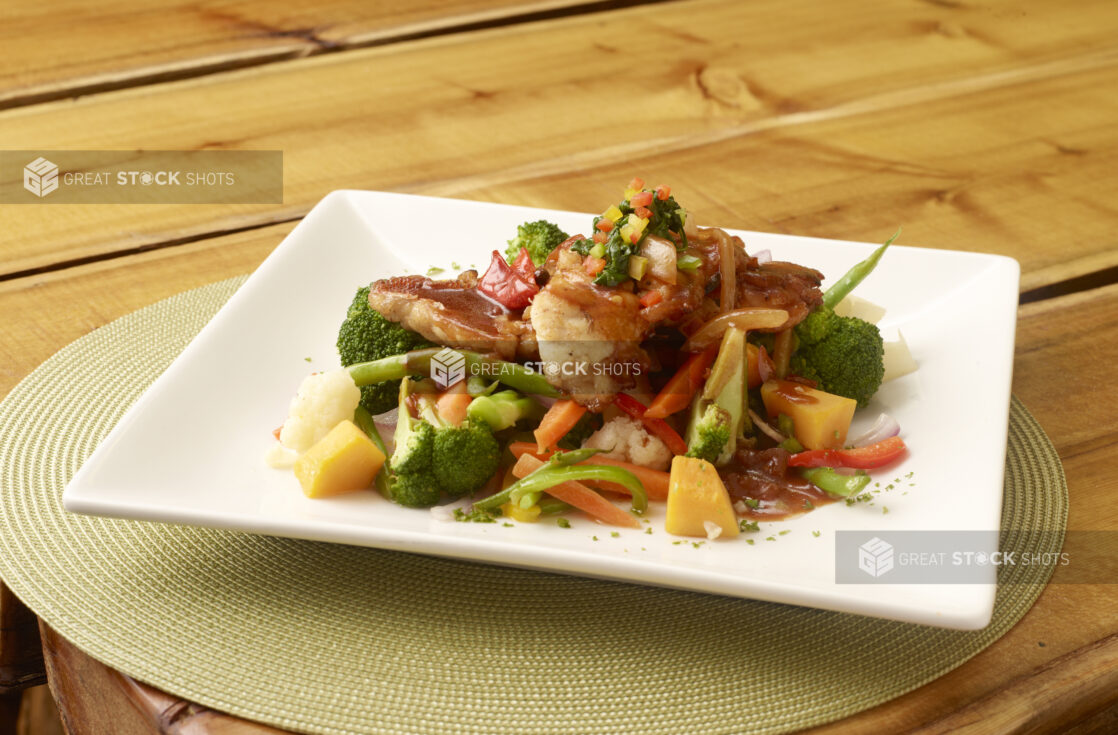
886 426
545 401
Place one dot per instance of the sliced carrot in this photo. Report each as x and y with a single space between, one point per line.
677 394
452 404
655 482
559 419
578 495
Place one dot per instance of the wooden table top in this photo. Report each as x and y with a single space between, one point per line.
982 125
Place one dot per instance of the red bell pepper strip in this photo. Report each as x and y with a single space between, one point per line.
505 285
677 394
659 427
862 458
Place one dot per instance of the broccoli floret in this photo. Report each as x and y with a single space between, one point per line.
433 457
843 354
464 457
414 490
365 335
581 431
540 237
414 442
503 409
412 482
709 434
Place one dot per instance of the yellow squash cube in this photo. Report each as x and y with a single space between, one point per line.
696 495
821 419
343 461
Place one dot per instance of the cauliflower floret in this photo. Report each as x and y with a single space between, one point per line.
323 401
625 439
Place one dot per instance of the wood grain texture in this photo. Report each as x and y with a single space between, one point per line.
1067 690
21 659
94 699
983 127
38 713
68 47
1051 344
50 310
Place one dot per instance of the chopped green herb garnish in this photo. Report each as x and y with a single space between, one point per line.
748 526
474 516
615 534
815 534
785 532
562 523
434 270
753 503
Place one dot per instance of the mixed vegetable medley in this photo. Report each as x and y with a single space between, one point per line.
652 361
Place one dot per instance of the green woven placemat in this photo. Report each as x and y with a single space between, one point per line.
326 638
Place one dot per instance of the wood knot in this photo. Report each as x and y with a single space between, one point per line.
948 29
725 87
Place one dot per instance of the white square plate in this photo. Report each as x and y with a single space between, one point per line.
232 384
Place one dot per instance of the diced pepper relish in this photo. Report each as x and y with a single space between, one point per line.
620 229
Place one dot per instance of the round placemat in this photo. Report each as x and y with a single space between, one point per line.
324 638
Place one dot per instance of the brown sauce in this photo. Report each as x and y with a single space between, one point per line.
761 478
466 306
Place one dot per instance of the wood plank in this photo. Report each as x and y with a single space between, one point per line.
21 659
86 297
69 47
767 115
38 714
1046 700
77 679
1065 342
954 173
